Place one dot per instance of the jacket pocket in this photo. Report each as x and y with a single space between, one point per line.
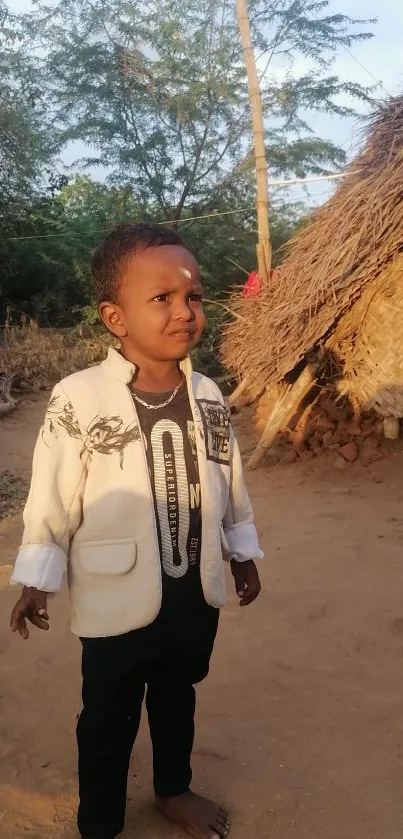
224 543
114 557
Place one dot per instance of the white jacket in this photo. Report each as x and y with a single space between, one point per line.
90 508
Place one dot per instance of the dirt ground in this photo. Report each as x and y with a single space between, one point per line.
300 725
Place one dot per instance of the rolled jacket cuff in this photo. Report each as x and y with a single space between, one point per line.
242 541
40 566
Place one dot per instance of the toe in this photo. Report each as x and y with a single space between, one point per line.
221 825
225 829
221 821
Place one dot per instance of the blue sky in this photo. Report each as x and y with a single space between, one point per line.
382 57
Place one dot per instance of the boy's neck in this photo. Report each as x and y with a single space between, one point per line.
153 376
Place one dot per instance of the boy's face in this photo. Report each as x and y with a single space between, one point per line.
160 313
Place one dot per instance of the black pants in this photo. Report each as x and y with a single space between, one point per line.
117 672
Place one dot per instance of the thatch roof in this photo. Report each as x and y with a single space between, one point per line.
348 242
368 344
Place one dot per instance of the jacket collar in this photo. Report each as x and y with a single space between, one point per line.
119 368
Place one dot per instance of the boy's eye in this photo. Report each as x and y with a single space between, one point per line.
193 298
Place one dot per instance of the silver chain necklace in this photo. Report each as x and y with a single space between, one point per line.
162 404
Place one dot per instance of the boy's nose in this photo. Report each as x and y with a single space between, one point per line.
184 312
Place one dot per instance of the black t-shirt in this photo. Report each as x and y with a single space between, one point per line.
170 442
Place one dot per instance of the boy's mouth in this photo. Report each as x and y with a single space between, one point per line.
185 334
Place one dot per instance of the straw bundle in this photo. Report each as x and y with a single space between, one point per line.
369 343
348 244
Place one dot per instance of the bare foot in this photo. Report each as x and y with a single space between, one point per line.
198 816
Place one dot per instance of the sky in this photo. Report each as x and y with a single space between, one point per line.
380 59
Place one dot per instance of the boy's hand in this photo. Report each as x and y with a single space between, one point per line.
32 605
247 581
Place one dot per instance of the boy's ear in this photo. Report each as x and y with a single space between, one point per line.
112 317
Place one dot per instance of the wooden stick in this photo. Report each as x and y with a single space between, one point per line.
262 191
284 410
267 256
239 390
298 435
261 261
391 428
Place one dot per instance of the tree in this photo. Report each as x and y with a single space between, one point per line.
25 143
26 147
158 89
45 258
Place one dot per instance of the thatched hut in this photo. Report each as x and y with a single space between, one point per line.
339 289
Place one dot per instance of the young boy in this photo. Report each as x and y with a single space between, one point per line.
137 491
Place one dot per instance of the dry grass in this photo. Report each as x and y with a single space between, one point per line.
31 358
368 341
349 242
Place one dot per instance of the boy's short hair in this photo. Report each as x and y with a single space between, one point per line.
123 240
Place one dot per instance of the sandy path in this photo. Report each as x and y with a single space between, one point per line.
300 727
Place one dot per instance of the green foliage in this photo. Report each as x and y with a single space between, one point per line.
25 144
157 92
158 89
48 252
